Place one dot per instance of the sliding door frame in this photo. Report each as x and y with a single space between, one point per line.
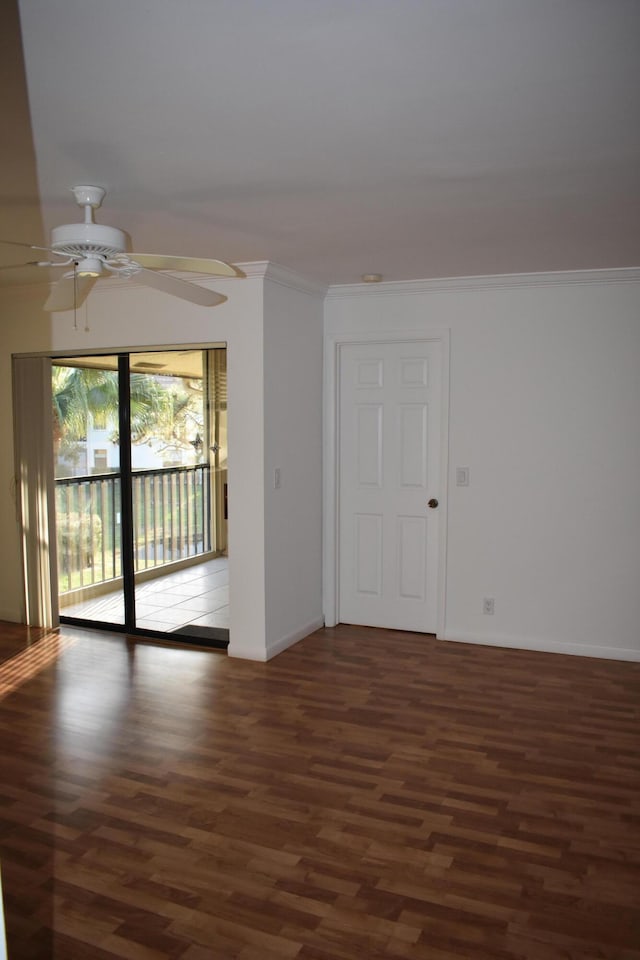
36 500
126 492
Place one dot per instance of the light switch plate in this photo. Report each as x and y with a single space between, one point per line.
462 476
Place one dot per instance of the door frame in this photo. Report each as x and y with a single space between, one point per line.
331 472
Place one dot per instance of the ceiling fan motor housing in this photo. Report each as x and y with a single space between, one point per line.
80 240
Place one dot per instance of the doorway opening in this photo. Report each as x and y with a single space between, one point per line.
140 466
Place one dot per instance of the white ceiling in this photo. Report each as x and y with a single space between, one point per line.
414 138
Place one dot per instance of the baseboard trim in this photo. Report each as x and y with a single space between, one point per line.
288 641
12 616
272 650
549 646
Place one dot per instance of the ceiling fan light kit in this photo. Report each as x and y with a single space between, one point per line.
97 251
90 267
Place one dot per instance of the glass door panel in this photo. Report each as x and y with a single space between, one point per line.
174 448
88 481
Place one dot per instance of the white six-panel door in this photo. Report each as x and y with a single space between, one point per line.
389 422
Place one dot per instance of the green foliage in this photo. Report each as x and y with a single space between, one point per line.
80 393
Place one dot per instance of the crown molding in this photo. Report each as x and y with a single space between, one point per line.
276 273
254 269
504 281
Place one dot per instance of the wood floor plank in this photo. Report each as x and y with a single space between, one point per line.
367 795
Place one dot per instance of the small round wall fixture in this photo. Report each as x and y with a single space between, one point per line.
371 277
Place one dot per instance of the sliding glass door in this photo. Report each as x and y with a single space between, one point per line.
140 465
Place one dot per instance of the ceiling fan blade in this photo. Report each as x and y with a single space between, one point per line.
179 288
29 246
35 263
217 268
69 292
16 266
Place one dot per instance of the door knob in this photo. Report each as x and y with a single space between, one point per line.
433 503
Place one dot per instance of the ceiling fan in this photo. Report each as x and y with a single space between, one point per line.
93 251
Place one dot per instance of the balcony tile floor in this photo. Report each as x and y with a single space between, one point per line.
197 595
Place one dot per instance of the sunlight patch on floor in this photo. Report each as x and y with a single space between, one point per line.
23 666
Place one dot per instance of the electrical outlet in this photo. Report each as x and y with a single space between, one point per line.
462 476
488 605
277 480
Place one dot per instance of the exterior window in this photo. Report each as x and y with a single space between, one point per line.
100 460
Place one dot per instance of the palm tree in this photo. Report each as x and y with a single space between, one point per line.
77 394
80 393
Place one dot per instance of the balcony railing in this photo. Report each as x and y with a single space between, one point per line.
171 521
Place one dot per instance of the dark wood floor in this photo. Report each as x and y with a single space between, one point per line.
368 794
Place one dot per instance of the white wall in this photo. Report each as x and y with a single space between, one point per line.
545 411
544 404
293 345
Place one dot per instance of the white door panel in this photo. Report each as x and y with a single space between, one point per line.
368 554
389 468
